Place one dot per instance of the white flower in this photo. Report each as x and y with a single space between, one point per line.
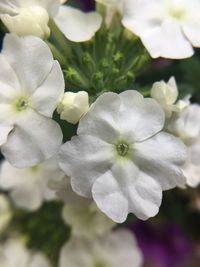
31 86
187 124
5 212
167 28
73 106
86 221
187 127
31 17
29 187
81 213
117 157
116 249
14 254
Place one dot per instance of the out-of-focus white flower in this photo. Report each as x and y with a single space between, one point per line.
86 221
31 86
73 106
187 124
29 187
81 213
31 17
113 7
13 253
5 212
167 28
187 127
117 157
112 250
166 95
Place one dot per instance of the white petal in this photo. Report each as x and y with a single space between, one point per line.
4 131
191 23
139 117
161 157
51 6
76 25
103 112
33 140
28 198
30 58
84 159
108 195
162 37
39 260
125 189
9 84
77 253
192 31
46 98
122 249
167 41
11 177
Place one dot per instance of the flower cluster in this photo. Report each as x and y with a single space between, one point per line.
76 129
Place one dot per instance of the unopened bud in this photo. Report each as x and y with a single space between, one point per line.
31 20
73 106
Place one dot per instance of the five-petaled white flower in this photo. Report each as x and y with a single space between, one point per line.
31 86
120 157
187 127
29 187
167 28
115 249
31 17
13 253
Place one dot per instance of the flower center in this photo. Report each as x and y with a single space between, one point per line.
99 263
177 12
122 149
22 104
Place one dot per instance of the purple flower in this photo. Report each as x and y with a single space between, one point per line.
163 245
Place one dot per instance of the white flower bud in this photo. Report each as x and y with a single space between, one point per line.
31 20
166 95
73 106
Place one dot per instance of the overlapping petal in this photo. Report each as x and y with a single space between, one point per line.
76 25
30 59
33 139
161 157
126 189
84 159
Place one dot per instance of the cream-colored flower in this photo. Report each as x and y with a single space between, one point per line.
115 249
13 253
73 106
31 17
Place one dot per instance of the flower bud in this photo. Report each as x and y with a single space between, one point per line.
31 20
73 106
166 95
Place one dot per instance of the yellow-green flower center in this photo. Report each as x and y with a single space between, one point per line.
22 104
122 149
177 12
100 263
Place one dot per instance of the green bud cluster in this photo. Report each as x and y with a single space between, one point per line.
110 61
